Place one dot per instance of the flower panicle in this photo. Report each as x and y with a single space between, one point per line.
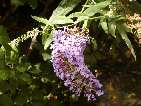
68 62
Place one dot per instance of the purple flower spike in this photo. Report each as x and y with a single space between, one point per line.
68 62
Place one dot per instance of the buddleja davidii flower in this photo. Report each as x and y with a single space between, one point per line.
86 83
62 68
68 62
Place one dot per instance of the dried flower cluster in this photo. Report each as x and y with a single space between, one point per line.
135 23
29 34
68 62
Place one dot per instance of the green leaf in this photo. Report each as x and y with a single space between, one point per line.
47 42
42 20
46 56
22 67
64 8
117 18
2 58
112 29
35 69
57 20
4 74
12 55
94 43
104 25
61 20
18 2
4 39
32 3
47 37
124 26
126 39
26 77
82 18
76 14
93 9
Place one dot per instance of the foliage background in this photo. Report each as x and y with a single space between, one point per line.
114 54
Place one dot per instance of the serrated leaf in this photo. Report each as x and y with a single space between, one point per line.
104 25
42 20
126 39
64 8
93 9
112 29
61 20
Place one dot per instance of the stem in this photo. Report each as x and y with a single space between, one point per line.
84 6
